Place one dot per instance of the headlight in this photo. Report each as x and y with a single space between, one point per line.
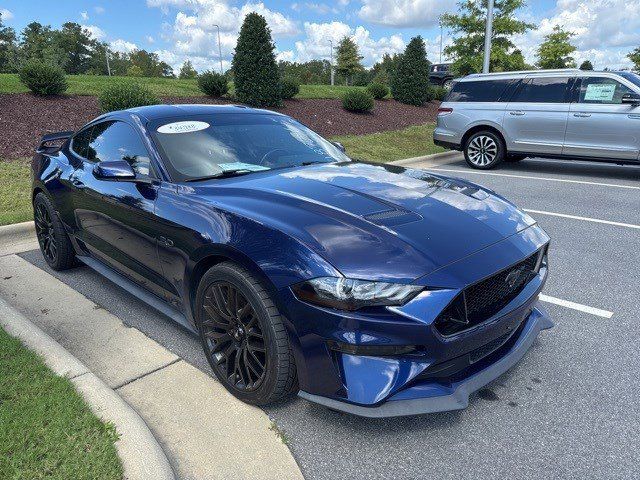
348 294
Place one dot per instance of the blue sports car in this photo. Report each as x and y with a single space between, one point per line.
372 289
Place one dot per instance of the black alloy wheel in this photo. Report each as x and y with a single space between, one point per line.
233 335
45 233
52 237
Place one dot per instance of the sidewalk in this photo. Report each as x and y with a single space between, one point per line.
205 432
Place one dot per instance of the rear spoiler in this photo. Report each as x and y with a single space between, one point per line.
58 138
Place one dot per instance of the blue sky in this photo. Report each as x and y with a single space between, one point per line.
179 29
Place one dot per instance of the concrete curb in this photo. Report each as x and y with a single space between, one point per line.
17 231
433 157
141 455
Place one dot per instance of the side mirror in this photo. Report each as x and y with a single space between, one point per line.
114 170
339 146
631 99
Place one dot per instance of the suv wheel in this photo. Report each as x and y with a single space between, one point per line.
243 335
54 241
484 150
447 84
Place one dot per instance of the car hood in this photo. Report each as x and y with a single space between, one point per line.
373 221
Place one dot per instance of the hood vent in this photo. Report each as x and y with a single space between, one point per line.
390 218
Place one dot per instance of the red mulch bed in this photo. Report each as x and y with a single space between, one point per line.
24 118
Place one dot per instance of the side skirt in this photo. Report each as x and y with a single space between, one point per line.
138 292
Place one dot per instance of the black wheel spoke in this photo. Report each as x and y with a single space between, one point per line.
233 336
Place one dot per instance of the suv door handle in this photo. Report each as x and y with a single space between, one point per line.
517 113
582 115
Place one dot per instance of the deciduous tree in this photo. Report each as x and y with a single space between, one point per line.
556 50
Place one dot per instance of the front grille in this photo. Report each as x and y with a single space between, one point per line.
480 301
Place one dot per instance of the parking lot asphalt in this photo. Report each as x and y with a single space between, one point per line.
568 410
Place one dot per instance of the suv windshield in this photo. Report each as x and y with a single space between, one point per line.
206 146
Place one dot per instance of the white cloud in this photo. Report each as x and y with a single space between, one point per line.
84 16
605 31
6 14
150 39
122 46
405 13
95 31
316 44
99 10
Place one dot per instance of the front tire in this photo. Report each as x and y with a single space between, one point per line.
52 237
243 335
484 150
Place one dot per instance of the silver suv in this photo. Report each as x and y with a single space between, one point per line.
569 113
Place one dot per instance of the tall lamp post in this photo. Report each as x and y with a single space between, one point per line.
440 40
332 72
106 54
487 37
219 48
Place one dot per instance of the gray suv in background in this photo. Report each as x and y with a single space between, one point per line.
571 114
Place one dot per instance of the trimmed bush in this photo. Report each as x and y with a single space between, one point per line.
289 88
123 95
213 84
378 90
356 100
43 79
410 81
438 92
256 75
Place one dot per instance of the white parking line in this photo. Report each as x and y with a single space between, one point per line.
576 306
586 219
546 179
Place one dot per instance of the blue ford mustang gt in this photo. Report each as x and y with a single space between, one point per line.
372 289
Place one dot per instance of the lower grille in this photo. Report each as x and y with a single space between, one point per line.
481 301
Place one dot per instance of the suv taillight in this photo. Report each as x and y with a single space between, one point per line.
444 111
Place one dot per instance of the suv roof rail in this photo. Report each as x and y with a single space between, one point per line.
517 72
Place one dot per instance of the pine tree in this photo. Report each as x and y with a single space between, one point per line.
556 50
348 59
8 47
187 70
256 76
410 81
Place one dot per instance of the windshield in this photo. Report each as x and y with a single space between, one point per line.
202 146
632 77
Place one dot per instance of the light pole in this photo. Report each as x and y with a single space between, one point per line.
106 54
332 73
440 41
487 37
219 48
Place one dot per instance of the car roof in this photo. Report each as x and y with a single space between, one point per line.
156 112
536 73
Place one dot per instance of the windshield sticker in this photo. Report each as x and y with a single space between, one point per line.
602 92
252 167
183 127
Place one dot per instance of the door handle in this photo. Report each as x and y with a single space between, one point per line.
518 113
582 115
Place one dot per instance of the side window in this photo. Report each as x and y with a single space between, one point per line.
80 142
118 141
542 90
600 90
477 91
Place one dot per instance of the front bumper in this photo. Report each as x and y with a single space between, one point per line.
435 396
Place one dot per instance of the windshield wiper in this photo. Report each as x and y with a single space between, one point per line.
224 174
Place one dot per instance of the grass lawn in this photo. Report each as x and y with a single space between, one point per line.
393 145
46 428
170 87
15 194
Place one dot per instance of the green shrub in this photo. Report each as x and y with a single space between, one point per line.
135 71
256 75
378 90
213 84
43 79
123 95
356 100
438 92
410 81
289 87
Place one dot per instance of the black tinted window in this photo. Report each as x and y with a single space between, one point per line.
542 90
118 141
80 142
480 91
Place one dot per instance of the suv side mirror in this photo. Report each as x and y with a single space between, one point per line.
631 99
114 170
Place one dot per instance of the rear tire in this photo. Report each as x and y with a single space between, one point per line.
243 335
54 242
484 150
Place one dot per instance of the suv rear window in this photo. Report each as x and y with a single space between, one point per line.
478 91
542 90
